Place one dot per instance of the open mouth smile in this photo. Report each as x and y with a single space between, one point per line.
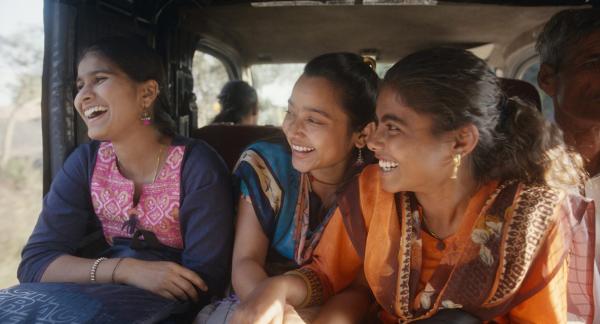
302 149
387 166
94 111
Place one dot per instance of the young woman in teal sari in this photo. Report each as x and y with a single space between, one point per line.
288 187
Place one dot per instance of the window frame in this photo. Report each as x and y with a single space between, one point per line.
226 55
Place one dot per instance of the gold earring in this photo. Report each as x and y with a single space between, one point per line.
456 162
359 159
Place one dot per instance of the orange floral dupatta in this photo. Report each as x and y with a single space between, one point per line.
506 228
485 271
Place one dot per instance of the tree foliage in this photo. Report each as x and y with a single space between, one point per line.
21 60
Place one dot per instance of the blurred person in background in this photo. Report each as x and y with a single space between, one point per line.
239 104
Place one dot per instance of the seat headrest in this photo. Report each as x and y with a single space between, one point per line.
521 89
230 140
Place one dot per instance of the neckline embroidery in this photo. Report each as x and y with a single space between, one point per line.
158 206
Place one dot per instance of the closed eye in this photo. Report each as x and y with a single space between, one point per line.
314 121
100 78
592 64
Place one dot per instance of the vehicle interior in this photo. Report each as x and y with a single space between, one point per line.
205 43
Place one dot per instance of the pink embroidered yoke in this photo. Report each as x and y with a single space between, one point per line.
158 208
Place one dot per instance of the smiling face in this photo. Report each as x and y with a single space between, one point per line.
108 101
410 157
317 128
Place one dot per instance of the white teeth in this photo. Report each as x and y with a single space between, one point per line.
302 148
88 112
387 166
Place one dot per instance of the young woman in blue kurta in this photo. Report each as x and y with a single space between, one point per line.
68 216
160 203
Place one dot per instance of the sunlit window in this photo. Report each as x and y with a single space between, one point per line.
209 75
274 84
21 57
382 68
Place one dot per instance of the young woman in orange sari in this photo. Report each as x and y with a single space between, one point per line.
470 208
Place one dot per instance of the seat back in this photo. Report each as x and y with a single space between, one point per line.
230 140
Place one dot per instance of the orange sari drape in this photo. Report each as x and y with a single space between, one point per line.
508 262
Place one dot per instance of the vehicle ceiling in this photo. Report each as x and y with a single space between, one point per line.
267 31
269 34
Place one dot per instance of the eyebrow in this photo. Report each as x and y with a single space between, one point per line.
393 118
104 70
312 109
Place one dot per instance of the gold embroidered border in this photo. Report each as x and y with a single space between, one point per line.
528 227
404 260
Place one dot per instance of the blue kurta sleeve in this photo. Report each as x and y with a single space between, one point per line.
206 215
66 212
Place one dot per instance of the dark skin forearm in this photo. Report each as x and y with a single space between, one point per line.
68 268
249 252
349 306
248 274
164 278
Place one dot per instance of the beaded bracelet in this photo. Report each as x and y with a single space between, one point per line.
94 268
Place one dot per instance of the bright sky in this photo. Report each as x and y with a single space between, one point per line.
18 15
14 16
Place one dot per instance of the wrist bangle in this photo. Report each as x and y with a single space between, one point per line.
112 276
95 268
314 293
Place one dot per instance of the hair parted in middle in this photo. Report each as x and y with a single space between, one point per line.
140 63
356 81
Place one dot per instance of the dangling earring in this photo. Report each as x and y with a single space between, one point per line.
359 159
146 117
456 162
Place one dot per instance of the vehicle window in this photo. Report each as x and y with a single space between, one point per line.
274 84
528 72
209 75
382 68
21 52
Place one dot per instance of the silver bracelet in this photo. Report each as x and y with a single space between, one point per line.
94 268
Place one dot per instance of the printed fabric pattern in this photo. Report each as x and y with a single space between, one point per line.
158 208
